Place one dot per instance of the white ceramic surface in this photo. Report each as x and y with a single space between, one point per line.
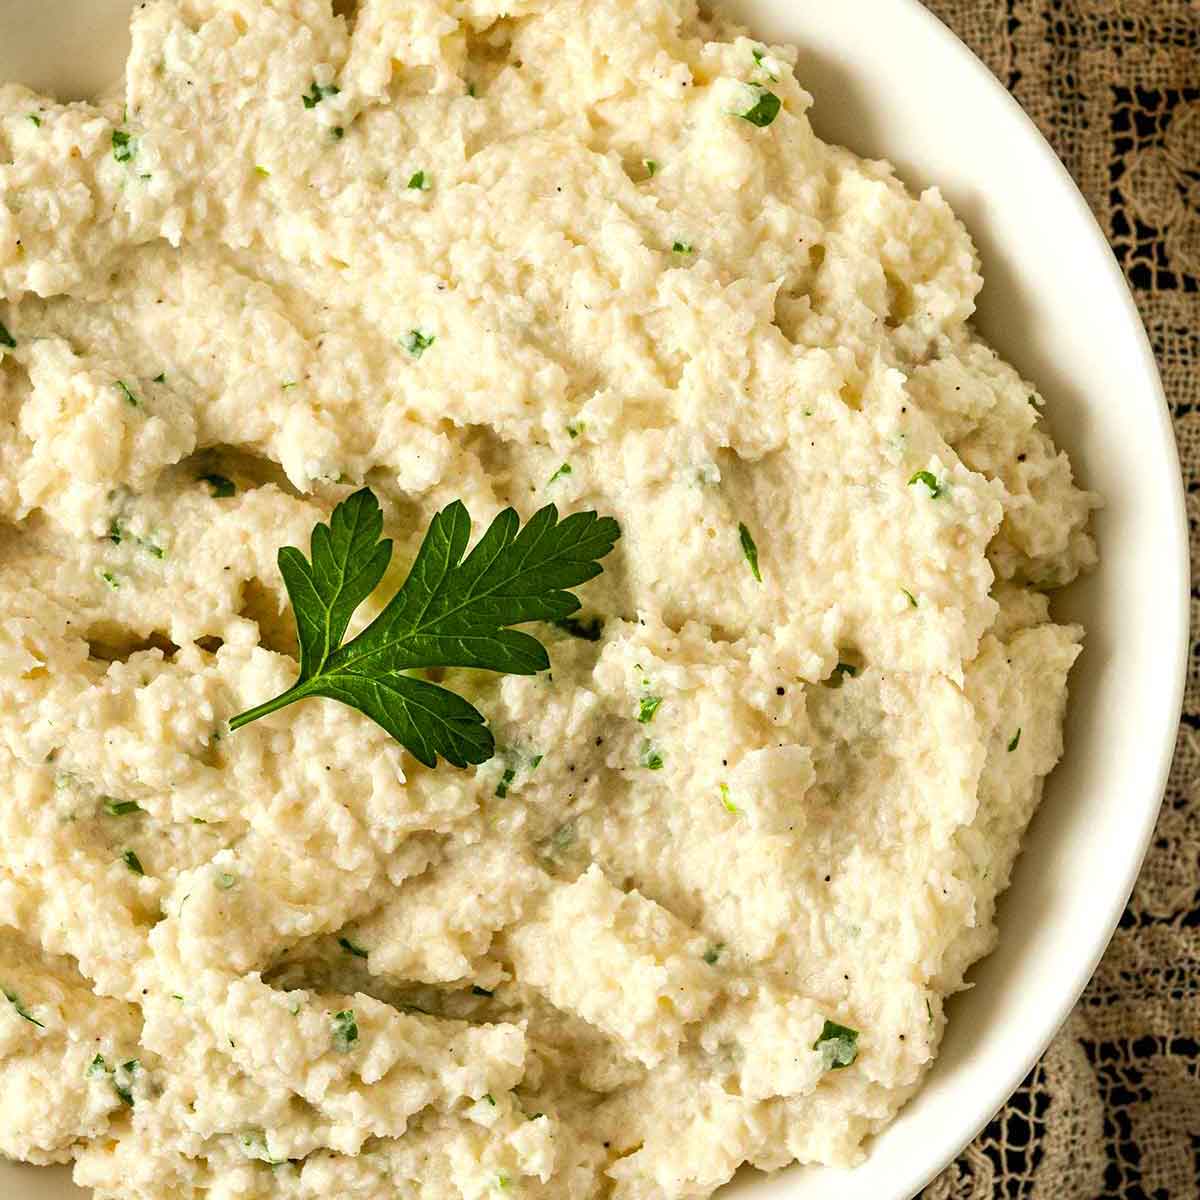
891 82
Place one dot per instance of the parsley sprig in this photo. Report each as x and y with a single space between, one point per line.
449 612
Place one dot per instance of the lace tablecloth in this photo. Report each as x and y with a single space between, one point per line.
1113 1108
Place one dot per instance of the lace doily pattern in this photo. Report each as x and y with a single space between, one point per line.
1112 1111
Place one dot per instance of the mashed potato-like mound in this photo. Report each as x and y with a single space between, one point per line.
511 254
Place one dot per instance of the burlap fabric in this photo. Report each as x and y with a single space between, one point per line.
1113 1108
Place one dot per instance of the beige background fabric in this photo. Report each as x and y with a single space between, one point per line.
1113 1108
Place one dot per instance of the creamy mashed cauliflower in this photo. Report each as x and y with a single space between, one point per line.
705 904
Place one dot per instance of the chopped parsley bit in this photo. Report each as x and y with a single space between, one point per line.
222 488
713 953
502 787
131 860
123 1080
161 377
129 396
35 119
120 808
317 93
476 990
928 479
533 762
503 1181
96 1068
841 671
726 801
929 1010
681 248
337 133
651 167
345 1030
765 108
562 471
124 145
750 550
6 338
1015 742
350 948
416 342
911 598
647 707
259 169
490 1098
22 1011
838 1045
110 579
651 759
574 430
418 182
587 628
225 880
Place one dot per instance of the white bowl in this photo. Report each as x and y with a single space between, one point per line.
891 82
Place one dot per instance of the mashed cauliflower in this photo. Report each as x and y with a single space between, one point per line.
735 849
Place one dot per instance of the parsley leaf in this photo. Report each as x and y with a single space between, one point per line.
838 1045
647 707
352 947
6 338
131 860
125 391
418 182
416 342
1015 741
222 488
449 612
120 808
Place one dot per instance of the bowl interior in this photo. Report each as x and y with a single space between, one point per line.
890 81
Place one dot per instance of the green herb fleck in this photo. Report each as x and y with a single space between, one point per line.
838 1045
505 780
839 673
351 948
503 1181
259 169
110 579
911 598
21 1010
225 880
1015 741
726 800
345 1030
681 248
120 808
927 478
317 93
36 119
418 182
533 762
589 629
6 338
765 108
647 707
575 429
562 471
750 550
131 860
651 166
129 396
222 488
490 1098
337 133
416 342
713 953
161 377
124 145
96 1068
122 1080
651 758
